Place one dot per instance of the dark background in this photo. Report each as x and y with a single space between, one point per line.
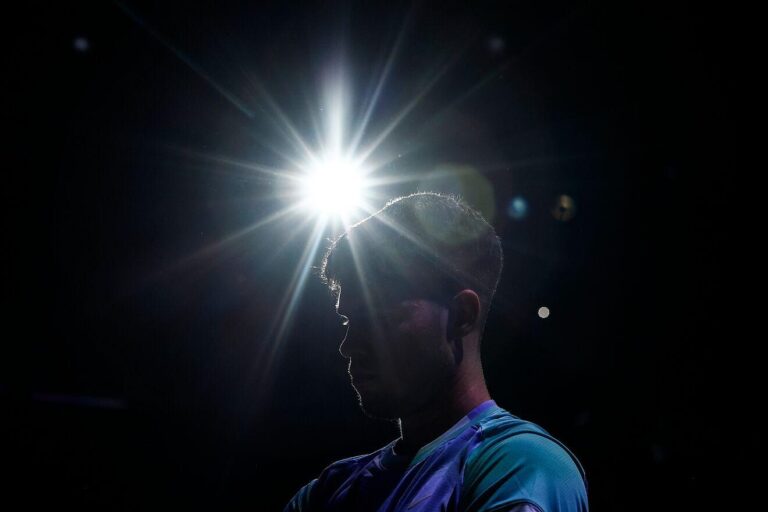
145 363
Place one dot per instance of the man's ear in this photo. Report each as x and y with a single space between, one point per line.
464 313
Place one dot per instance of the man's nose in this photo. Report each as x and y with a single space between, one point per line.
343 346
357 341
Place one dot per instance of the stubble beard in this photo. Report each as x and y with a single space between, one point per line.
382 409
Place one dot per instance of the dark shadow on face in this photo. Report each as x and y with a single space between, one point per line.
399 358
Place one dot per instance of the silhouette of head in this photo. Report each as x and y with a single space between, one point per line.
413 283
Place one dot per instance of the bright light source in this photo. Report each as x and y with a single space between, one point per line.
543 312
333 186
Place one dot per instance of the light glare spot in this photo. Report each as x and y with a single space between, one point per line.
496 44
564 208
81 44
334 186
518 208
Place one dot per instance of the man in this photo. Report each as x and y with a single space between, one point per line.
413 284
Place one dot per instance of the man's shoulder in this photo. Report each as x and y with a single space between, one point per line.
519 461
501 423
502 433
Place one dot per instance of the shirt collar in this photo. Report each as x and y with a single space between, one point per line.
390 459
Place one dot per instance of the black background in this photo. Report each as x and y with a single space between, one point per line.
145 363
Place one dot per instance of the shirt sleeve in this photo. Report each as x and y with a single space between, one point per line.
314 495
522 468
522 507
301 500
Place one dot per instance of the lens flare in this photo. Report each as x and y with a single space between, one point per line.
334 186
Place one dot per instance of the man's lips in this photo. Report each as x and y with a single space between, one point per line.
359 368
363 381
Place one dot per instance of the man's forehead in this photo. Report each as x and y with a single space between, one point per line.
372 289
384 291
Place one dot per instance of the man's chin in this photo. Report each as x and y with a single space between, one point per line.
377 409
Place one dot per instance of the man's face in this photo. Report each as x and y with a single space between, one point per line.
399 357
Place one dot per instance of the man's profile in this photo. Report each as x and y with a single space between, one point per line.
413 283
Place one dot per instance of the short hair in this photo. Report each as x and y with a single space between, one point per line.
432 244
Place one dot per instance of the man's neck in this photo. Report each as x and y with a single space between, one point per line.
418 429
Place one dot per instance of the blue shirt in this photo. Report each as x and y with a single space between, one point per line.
489 461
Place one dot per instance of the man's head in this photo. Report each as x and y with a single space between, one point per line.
414 281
